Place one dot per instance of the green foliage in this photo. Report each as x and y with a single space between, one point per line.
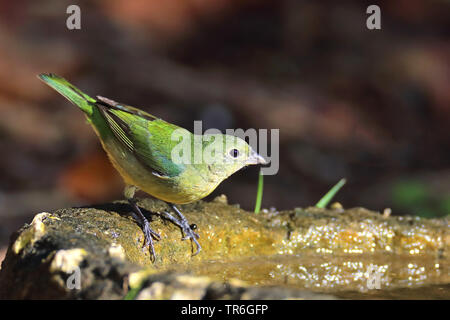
133 292
417 198
323 202
259 192
445 205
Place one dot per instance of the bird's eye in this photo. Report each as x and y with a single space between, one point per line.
234 153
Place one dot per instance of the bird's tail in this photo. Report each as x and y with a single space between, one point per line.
73 94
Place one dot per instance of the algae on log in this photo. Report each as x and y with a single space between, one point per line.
303 248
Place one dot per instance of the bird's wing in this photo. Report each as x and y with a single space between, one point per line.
146 136
111 104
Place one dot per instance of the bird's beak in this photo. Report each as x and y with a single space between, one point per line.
256 159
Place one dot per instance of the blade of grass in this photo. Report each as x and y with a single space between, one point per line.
323 202
132 294
259 193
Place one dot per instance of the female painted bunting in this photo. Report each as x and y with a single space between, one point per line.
140 146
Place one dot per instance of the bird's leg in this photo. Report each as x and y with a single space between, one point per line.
149 234
188 230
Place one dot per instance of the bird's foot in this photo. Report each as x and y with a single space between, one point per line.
189 233
188 230
149 234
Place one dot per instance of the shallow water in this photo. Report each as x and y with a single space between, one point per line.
347 276
429 292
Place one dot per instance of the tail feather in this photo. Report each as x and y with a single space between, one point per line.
70 92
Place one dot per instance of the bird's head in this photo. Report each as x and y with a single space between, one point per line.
226 154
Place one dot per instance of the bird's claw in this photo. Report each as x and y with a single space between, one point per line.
149 234
155 235
188 230
190 234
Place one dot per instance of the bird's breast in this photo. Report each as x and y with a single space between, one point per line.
189 186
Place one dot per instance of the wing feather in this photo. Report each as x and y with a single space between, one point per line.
147 137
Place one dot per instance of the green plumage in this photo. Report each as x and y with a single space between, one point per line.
73 94
140 147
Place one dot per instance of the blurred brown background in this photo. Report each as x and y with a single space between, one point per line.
371 106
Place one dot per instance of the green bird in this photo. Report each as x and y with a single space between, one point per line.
140 147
